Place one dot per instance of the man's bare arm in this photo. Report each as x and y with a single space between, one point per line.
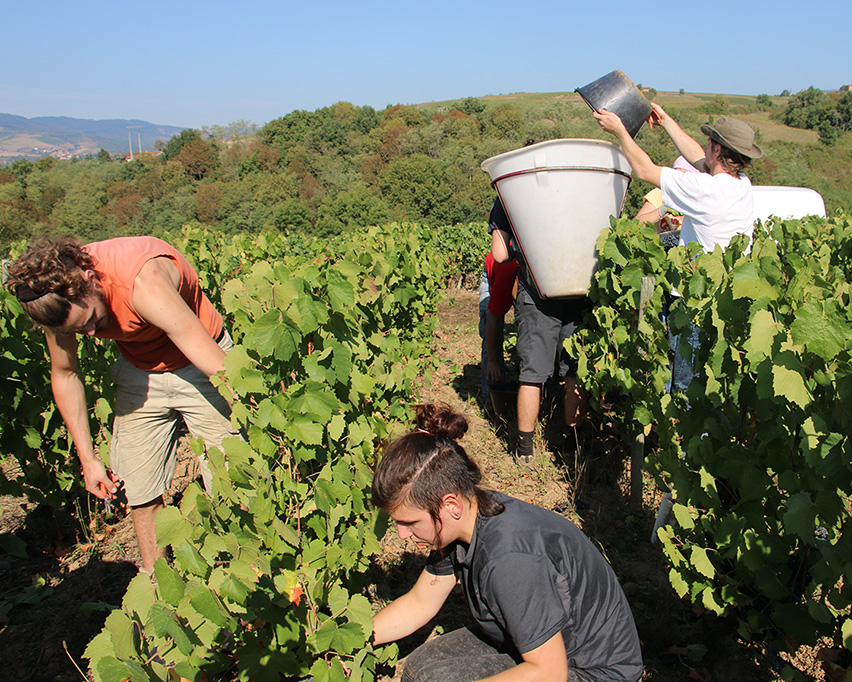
156 299
500 246
643 167
70 396
688 148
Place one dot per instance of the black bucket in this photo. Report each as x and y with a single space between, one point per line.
615 92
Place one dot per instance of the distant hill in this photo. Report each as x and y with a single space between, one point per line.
64 137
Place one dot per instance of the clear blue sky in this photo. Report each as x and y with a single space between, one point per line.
192 63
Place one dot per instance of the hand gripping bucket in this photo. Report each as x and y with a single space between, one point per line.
558 196
615 92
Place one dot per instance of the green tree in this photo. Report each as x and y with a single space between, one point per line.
78 212
357 207
807 109
176 143
473 107
844 110
292 215
506 123
416 187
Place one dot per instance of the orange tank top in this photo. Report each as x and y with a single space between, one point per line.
117 263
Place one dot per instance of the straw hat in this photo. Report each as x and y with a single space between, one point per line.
735 135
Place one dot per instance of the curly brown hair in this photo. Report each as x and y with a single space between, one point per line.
48 278
423 465
733 162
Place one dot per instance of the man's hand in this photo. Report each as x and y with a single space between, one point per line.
494 372
610 122
99 481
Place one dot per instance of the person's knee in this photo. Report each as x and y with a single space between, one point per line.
419 664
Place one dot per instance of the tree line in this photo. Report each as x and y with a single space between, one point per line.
328 171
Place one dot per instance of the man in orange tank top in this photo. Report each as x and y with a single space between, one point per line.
143 293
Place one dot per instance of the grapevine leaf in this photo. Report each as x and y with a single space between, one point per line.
304 431
683 517
678 583
110 669
360 611
332 671
341 639
701 562
190 560
139 596
822 328
763 330
846 631
747 282
207 604
708 598
166 624
120 629
170 585
800 516
790 384
172 527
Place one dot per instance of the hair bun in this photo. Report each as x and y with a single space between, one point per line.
440 420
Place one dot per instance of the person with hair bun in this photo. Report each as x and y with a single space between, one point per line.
546 604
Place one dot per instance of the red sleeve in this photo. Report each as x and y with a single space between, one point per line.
501 278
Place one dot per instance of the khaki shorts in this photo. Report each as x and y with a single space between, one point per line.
149 409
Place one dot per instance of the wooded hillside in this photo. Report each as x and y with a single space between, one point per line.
339 167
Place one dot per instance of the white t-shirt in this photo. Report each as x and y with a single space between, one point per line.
714 207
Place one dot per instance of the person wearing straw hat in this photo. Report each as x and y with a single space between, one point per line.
717 202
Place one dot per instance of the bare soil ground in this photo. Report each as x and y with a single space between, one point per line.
55 600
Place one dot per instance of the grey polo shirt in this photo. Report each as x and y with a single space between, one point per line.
529 573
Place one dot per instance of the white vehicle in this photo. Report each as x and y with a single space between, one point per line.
786 202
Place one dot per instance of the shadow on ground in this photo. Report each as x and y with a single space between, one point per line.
56 598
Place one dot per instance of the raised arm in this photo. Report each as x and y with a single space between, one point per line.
413 609
156 299
70 396
688 148
643 167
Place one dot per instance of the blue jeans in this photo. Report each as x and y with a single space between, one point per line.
484 298
682 370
